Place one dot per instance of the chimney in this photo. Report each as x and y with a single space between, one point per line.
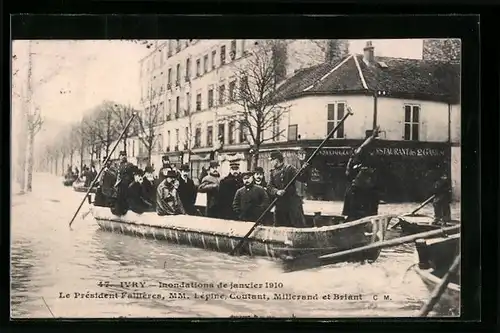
368 56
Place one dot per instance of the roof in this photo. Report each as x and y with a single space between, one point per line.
398 77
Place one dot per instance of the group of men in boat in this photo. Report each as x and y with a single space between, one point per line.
244 196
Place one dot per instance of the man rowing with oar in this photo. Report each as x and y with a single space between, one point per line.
361 197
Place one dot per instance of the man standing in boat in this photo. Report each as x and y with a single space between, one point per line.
136 198
442 200
168 201
288 211
250 201
125 177
187 190
148 184
361 197
210 186
105 193
227 190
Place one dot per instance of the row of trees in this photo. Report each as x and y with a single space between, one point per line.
254 109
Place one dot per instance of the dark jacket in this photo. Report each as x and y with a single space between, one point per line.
250 202
227 190
210 186
136 200
107 182
443 191
288 210
149 190
168 201
188 193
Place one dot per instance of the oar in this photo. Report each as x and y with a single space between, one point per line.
413 212
309 261
271 205
439 290
103 167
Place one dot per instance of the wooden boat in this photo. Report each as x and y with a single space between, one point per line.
79 186
414 224
435 258
69 180
224 235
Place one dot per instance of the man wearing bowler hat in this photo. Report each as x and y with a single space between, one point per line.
288 211
227 190
210 185
187 190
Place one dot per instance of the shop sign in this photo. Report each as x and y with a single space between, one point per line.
335 152
421 152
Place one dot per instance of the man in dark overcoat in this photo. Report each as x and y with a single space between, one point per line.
125 177
187 190
288 210
442 200
227 190
251 200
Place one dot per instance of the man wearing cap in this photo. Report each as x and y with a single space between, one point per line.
258 177
136 198
227 190
125 177
250 201
165 165
210 185
288 211
168 201
187 190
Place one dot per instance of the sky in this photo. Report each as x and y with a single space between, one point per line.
81 74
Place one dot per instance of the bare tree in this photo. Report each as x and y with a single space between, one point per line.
148 121
122 114
255 108
100 128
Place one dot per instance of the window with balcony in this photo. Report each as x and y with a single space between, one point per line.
231 128
168 141
222 55
222 91
178 75
210 136
214 59
232 54
197 137
188 69
205 63
221 132
198 102
412 122
188 104
176 148
198 67
210 97
232 90
177 107
335 114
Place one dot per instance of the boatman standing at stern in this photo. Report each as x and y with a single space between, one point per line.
227 190
168 201
210 186
105 193
125 177
251 200
442 200
288 211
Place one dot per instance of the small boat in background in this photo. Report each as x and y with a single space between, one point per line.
414 224
69 180
79 186
435 256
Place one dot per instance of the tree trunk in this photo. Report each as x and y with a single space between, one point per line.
255 159
62 164
31 150
81 157
71 159
150 150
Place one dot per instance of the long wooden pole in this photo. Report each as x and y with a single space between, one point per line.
103 166
271 205
439 290
309 261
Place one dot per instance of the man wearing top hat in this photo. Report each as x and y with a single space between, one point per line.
137 200
210 186
227 190
288 211
125 177
251 200
187 190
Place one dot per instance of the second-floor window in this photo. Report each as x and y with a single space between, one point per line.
222 55
169 111
221 132
197 137
231 129
198 102
222 91
205 63
243 133
187 137
210 136
162 112
198 67
168 140
177 106
210 97
177 139
188 103
232 92
188 69
232 54
169 78
412 122
335 114
178 75
214 59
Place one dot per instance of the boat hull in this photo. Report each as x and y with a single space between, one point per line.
414 224
223 235
450 300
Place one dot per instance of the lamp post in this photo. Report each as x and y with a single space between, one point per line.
375 94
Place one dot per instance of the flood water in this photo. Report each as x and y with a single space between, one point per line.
49 262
